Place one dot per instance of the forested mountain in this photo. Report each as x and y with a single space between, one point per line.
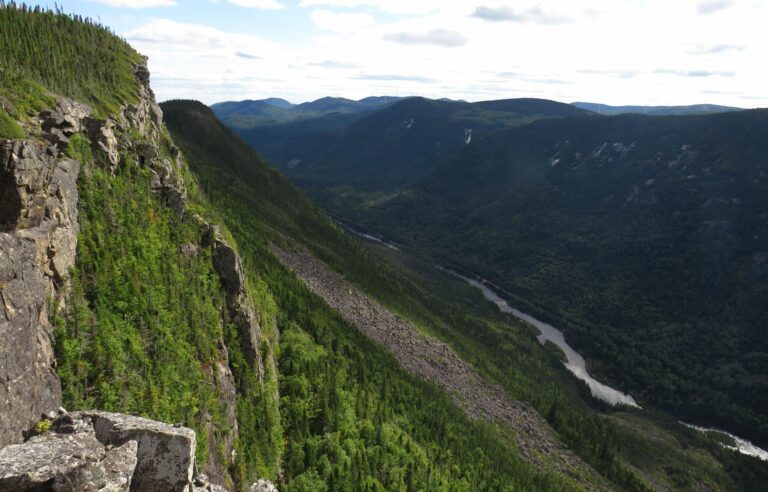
142 271
392 147
252 114
646 235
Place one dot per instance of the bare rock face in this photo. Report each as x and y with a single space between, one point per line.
263 486
229 267
38 240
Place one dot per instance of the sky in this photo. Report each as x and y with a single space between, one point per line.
643 52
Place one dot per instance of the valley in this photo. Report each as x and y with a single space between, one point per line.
389 293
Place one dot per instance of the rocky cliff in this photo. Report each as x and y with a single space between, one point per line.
38 245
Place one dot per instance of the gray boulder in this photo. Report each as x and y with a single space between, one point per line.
102 452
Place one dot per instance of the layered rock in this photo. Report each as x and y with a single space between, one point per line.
38 242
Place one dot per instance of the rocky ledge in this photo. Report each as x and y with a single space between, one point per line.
95 451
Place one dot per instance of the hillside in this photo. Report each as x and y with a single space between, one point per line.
391 147
644 235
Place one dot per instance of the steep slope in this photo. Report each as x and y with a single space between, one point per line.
354 389
646 235
153 315
388 148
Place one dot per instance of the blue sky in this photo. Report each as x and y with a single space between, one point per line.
611 51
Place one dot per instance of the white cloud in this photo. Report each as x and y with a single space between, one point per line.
389 6
437 37
344 22
712 6
258 4
505 14
137 4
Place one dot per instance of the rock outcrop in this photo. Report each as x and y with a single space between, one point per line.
38 240
228 265
97 451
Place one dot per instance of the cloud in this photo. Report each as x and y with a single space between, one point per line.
436 37
694 73
402 78
506 14
137 4
346 22
622 74
167 37
711 6
718 48
247 56
333 65
389 6
258 4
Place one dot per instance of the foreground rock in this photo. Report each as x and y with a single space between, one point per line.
98 451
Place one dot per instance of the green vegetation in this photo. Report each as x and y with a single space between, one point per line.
68 55
8 126
42 426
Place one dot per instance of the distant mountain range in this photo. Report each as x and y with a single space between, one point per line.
257 113
655 110
251 113
380 150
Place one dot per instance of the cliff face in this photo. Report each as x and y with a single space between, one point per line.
38 245
37 248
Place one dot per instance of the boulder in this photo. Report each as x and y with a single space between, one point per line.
263 486
98 451
166 453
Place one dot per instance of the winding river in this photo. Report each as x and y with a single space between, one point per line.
574 361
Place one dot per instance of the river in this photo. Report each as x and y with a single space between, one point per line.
574 361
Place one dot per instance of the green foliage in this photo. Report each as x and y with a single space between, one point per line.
42 427
139 332
79 148
66 54
8 126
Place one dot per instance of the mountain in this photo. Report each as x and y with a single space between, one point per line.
655 110
258 113
395 146
154 266
643 235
